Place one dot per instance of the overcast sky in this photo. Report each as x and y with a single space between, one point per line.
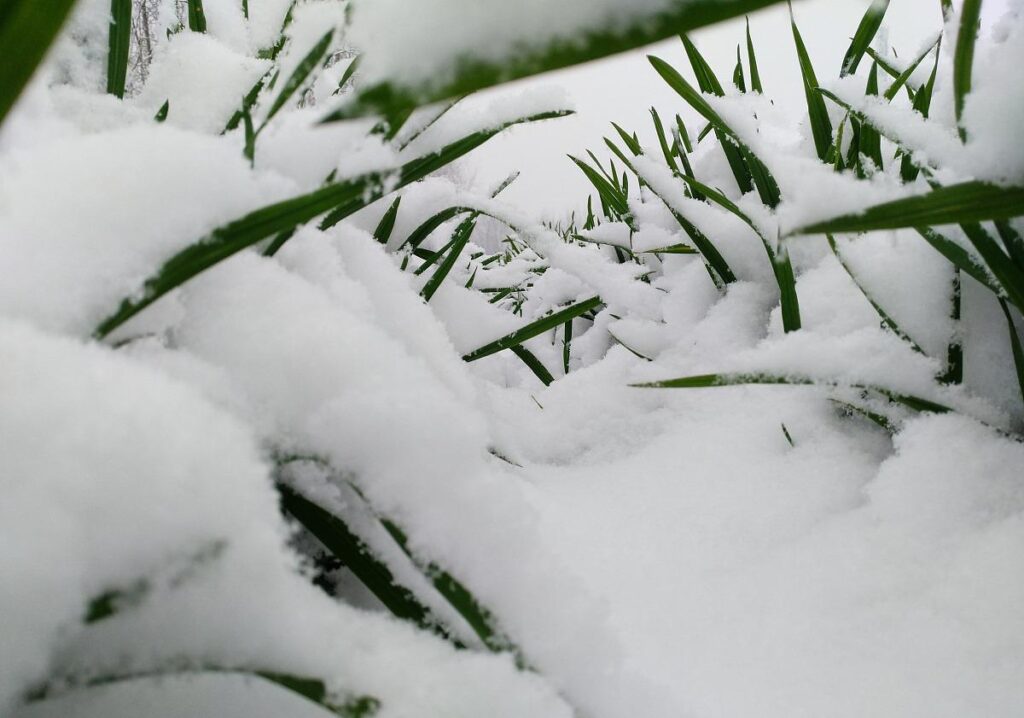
622 88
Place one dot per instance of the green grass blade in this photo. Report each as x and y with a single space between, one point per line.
755 76
1009 276
901 80
631 144
1015 347
336 536
869 144
922 104
956 204
866 32
963 57
300 74
247 103
387 222
959 257
608 191
119 45
161 114
737 74
535 365
821 125
459 239
196 16
350 71
27 29
338 199
1013 242
659 129
533 329
425 229
474 74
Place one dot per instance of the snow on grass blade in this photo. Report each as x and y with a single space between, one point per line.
335 535
745 164
311 689
955 204
963 57
821 125
866 32
119 45
708 381
340 199
196 16
922 104
901 79
299 75
472 74
533 329
27 29
959 257
387 223
782 267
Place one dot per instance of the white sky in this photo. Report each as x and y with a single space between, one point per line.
623 88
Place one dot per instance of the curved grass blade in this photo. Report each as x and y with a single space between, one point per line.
27 29
866 32
659 129
959 257
119 45
963 57
425 229
196 16
708 381
901 80
339 199
1015 347
821 124
473 74
459 239
338 538
533 329
955 204
311 689
1013 242
247 103
387 222
302 71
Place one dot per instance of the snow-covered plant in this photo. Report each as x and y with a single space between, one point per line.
958 183
212 364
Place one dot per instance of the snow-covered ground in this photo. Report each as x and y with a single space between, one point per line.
723 552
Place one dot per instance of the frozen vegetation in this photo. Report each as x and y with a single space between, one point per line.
297 420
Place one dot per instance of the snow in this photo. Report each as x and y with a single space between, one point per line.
722 552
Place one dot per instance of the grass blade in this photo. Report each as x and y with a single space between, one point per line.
866 32
821 125
755 76
1015 347
659 129
196 16
459 239
119 45
310 62
533 329
27 29
901 79
535 365
737 73
963 57
339 199
387 223
869 143
956 204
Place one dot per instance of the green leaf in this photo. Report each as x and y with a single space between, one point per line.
659 129
535 365
1013 242
821 124
1015 347
629 32
866 32
27 29
426 228
196 16
533 329
737 73
310 62
922 104
963 57
959 257
869 144
338 538
387 222
120 38
459 239
755 76
903 77
956 204
339 199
